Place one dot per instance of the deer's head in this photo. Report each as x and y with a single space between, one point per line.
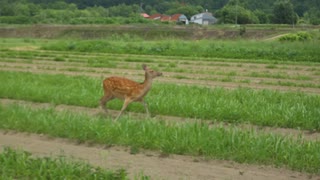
149 73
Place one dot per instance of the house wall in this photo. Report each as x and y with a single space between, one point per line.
204 19
184 19
198 21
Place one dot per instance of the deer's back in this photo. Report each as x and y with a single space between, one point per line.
121 87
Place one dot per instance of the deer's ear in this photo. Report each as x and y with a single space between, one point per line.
144 67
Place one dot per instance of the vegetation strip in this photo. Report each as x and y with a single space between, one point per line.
263 107
297 51
17 164
190 138
206 50
73 56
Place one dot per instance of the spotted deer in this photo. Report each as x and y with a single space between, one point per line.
128 90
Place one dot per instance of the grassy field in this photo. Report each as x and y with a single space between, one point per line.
260 83
189 139
260 107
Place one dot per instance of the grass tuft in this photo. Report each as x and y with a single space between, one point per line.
22 165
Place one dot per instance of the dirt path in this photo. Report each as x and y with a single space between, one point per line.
150 163
275 37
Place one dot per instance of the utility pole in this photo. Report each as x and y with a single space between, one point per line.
141 10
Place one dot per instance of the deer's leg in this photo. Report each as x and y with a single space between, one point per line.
104 100
145 104
127 101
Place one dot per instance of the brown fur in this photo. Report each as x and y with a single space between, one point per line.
128 90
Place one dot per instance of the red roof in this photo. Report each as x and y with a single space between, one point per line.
145 15
165 18
175 17
155 16
162 17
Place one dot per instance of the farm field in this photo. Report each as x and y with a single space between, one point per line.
223 117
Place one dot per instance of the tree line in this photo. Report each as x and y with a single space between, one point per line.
127 11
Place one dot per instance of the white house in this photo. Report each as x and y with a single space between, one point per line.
205 18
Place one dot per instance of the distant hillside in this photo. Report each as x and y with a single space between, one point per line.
106 11
300 6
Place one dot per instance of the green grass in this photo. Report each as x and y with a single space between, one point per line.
76 56
244 146
278 75
254 50
242 105
16 164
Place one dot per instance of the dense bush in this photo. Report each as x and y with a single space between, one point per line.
15 19
300 36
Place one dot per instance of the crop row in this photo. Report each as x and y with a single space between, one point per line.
244 146
260 107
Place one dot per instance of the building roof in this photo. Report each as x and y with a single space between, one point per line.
165 18
155 16
207 15
145 15
175 17
204 15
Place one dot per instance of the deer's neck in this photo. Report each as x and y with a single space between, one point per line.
147 84
147 81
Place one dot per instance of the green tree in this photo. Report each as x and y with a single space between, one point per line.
187 10
313 16
97 11
6 8
283 13
124 10
235 13
262 16
149 10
